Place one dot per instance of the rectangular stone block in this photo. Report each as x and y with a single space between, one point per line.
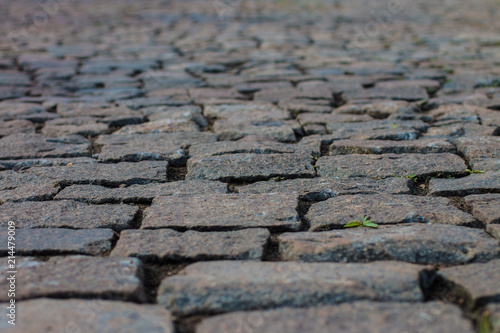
475 183
421 146
223 211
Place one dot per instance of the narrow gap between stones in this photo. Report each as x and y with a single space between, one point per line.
175 174
302 209
188 324
154 273
271 250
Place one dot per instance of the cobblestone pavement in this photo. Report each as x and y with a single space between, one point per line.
189 166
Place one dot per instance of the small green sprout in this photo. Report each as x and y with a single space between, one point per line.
394 125
413 177
365 222
277 179
473 171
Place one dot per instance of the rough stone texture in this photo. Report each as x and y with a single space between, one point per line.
155 146
21 145
50 315
472 184
244 147
385 209
422 146
374 125
16 186
364 316
486 207
170 245
58 241
467 277
235 128
84 126
244 285
28 163
67 214
388 165
483 153
77 276
125 173
318 189
250 167
96 194
223 211
494 230
16 126
160 126
416 243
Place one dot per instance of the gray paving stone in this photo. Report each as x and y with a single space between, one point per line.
328 118
385 209
160 126
96 194
67 214
485 150
44 162
170 245
125 173
363 316
485 164
387 124
15 186
77 276
244 285
250 167
254 109
51 315
422 146
378 110
23 145
485 207
84 126
155 146
16 126
223 211
58 241
318 189
236 128
416 243
405 93
389 165
467 277
245 147
474 183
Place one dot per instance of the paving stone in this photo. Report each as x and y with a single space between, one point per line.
475 183
161 126
422 146
405 93
453 131
145 194
249 167
187 112
51 241
67 214
385 209
257 109
170 245
378 110
492 313
104 113
29 163
479 148
236 128
466 277
485 164
389 165
245 147
244 285
84 126
124 173
485 207
298 105
51 315
24 145
16 126
416 243
155 146
326 118
387 124
77 276
319 189
363 316
16 186
223 211
27 111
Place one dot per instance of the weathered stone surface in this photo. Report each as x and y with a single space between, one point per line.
385 209
16 186
378 130
250 167
363 316
168 245
96 194
468 277
318 189
23 145
494 230
485 164
389 165
155 146
482 147
474 183
327 118
27 111
416 243
405 93
160 126
244 285
16 126
257 109
422 146
378 110
77 276
245 147
126 173
236 128
223 211
58 241
67 214
485 207
84 126
51 315
46 162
